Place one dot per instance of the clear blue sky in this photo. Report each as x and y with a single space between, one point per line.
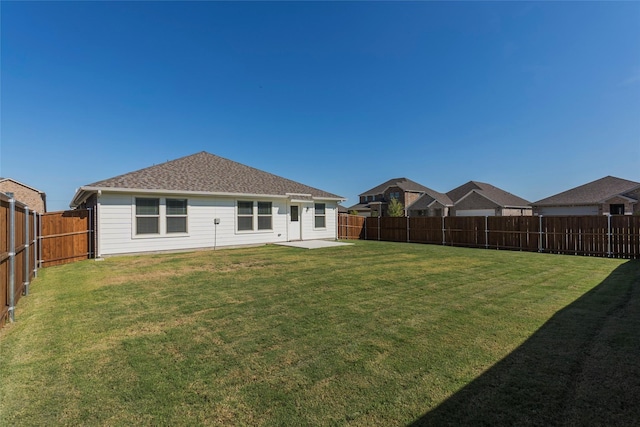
534 98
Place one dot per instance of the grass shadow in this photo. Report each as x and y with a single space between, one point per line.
582 367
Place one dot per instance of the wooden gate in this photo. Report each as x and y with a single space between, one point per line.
66 236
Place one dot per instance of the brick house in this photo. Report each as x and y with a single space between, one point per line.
35 199
481 199
375 202
608 195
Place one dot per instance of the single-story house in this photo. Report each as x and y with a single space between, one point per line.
35 199
204 201
608 195
481 199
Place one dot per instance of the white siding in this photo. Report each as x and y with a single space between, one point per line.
116 219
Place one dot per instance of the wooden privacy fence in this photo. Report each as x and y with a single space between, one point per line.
29 240
615 236
351 226
66 237
18 254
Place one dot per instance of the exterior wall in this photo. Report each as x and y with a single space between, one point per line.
410 198
431 211
617 200
636 206
476 212
33 199
567 210
517 212
475 202
116 220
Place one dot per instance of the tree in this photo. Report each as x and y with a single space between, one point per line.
396 208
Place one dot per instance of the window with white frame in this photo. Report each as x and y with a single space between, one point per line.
264 216
245 216
320 215
254 216
176 216
147 216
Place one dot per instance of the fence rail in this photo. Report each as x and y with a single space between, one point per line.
616 236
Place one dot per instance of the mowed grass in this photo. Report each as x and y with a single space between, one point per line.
376 333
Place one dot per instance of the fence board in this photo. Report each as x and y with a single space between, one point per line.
350 226
615 236
425 230
66 237
16 258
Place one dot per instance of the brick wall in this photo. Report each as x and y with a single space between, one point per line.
33 199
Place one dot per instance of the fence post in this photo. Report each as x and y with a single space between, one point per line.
378 227
609 235
35 244
90 237
366 219
444 241
25 289
40 261
12 256
486 232
540 245
408 239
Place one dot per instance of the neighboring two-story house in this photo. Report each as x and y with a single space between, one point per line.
35 199
473 198
375 202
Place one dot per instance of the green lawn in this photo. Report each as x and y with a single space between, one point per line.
376 333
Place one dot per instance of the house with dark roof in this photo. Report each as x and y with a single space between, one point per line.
375 202
608 195
431 203
204 201
35 199
471 199
481 199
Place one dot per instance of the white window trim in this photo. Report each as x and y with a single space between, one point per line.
162 221
324 215
185 216
255 217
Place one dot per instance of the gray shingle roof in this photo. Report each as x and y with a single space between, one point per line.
592 192
498 195
403 183
208 173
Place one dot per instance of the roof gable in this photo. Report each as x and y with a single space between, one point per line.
21 184
403 183
208 173
496 195
593 192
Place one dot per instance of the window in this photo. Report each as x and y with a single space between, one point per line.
147 216
264 216
320 215
394 195
295 215
245 216
617 209
176 215
249 217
